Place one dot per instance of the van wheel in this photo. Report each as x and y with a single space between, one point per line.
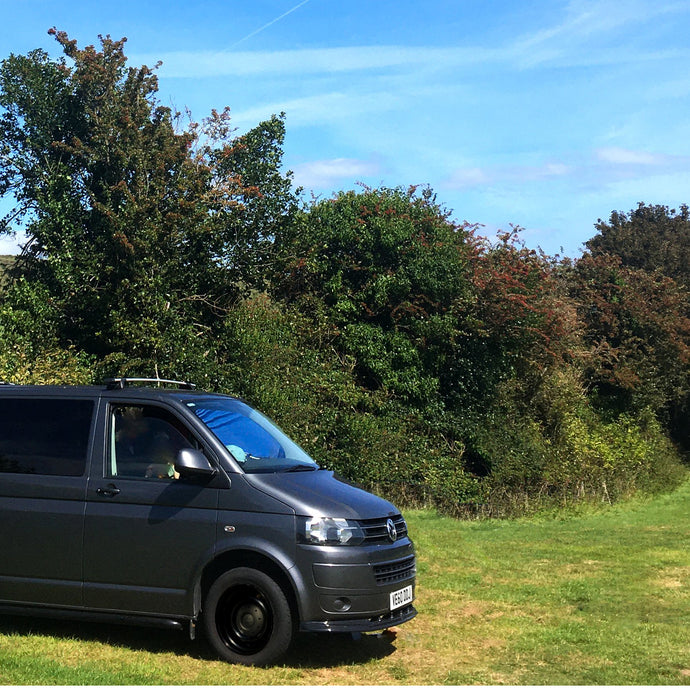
247 618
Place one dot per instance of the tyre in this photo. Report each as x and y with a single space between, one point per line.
247 618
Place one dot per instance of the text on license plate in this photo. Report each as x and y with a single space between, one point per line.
401 597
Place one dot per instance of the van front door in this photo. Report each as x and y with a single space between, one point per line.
146 529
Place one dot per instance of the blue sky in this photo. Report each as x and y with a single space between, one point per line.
543 114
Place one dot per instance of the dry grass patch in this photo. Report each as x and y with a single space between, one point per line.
673 578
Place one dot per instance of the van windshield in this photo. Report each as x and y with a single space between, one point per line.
255 442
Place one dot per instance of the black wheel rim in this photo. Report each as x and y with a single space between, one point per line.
244 620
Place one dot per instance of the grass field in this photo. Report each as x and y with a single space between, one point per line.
599 598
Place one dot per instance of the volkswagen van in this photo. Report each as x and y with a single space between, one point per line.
149 502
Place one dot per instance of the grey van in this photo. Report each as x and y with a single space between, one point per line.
170 506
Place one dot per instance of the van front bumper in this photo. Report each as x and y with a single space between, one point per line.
362 624
351 589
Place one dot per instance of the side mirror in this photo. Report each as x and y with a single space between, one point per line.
191 462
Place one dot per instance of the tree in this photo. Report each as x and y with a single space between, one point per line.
136 227
248 223
521 314
384 268
427 310
649 237
637 332
633 286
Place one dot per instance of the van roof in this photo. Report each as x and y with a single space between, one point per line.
110 388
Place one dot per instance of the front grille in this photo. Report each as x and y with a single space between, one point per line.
376 530
394 571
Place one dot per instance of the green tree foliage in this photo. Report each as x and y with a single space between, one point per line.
637 335
248 221
521 323
387 269
633 285
649 237
428 312
285 364
30 351
138 231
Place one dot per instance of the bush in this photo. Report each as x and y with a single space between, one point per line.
560 450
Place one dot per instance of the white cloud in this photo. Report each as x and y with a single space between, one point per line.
596 23
326 173
505 174
588 34
604 171
622 156
529 52
468 177
662 188
12 245
208 63
321 108
635 169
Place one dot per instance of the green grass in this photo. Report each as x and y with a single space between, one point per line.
599 598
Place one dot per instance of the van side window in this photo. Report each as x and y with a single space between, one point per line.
144 442
44 435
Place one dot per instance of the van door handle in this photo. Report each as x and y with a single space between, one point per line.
109 491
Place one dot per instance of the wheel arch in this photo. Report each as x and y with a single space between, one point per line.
288 579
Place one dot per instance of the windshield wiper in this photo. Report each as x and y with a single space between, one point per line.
301 468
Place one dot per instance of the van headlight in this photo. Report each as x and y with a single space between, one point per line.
332 531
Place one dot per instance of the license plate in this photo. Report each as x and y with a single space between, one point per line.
401 597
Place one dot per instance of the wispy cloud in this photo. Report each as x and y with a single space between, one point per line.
464 178
648 172
597 22
604 166
208 63
328 107
627 157
307 61
586 24
327 173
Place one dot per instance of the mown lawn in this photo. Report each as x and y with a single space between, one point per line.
601 598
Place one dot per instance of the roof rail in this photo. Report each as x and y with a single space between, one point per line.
125 381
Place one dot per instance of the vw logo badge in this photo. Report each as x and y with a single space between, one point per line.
392 532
